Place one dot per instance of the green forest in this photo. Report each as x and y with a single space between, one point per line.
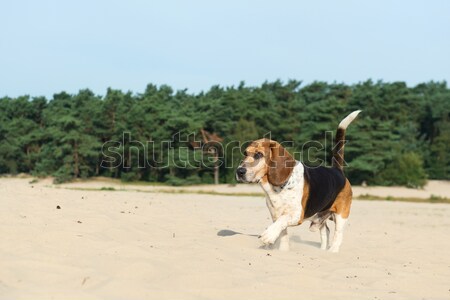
400 138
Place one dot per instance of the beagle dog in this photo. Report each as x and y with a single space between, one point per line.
296 193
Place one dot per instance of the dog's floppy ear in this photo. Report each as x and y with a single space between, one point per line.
281 164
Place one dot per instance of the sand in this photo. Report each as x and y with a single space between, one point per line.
127 244
438 188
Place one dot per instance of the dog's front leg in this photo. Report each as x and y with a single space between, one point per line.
274 230
284 241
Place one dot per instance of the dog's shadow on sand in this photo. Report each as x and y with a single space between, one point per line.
294 238
297 239
227 232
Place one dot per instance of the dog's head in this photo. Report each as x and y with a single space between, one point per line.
265 160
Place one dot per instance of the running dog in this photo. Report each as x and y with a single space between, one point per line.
296 193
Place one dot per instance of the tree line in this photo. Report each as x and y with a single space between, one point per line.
401 137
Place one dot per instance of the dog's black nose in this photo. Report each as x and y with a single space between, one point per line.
241 171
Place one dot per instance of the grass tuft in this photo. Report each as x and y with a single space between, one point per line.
107 188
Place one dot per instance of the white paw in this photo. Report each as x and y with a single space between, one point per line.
323 246
269 236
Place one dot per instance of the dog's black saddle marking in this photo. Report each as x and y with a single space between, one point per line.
324 186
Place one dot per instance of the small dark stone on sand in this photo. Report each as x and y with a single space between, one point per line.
84 280
79 222
58 207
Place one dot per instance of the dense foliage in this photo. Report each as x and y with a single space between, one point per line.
401 137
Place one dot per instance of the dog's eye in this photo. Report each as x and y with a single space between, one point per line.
258 155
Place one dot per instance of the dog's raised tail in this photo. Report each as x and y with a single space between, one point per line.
338 150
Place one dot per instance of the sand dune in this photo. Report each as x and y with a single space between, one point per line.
135 245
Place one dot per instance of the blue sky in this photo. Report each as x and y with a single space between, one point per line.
49 46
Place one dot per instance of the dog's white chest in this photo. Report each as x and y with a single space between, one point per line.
286 199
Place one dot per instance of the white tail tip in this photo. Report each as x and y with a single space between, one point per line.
348 119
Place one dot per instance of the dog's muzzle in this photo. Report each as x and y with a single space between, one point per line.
240 174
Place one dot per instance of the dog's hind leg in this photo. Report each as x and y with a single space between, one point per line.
341 211
318 220
338 233
284 241
324 236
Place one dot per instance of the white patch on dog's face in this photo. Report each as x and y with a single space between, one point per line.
254 164
255 169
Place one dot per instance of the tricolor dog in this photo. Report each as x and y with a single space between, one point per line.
296 193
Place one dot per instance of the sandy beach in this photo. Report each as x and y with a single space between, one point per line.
76 241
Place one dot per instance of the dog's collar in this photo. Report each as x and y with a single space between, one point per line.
291 178
280 188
